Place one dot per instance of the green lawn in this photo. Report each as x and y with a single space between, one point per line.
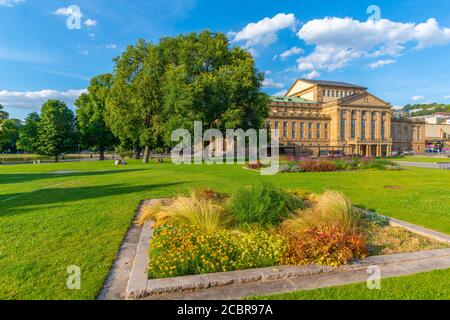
424 286
49 222
423 159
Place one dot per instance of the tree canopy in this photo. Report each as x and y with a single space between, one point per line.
29 134
3 114
57 130
418 110
9 134
91 112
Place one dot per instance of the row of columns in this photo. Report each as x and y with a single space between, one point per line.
368 128
368 150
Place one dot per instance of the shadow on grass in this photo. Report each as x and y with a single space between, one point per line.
18 203
28 177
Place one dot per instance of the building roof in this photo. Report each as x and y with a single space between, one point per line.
333 83
291 99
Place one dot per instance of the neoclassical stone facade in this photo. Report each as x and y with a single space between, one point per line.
323 117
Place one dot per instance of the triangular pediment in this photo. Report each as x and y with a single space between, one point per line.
363 99
298 87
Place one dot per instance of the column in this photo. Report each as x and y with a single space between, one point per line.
378 126
358 125
378 150
388 126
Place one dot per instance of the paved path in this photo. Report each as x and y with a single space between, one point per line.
427 165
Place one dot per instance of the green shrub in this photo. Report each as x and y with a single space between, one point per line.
342 165
179 251
378 164
263 204
376 219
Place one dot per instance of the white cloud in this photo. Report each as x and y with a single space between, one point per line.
265 31
417 98
111 46
294 51
10 3
90 23
33 100
69 11
313 74
270 83
447 98
339 41
381 63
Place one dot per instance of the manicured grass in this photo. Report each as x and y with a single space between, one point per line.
423 159
49 222
424 286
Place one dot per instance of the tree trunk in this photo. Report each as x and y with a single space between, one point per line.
56 158
146 154
102 154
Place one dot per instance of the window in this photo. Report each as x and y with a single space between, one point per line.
302 130
353 128
419 134
373 130
343 124
383 126
324 93
310 131
363 125
327 132
277 132
285 129
329 93
319 127
294 130
332 93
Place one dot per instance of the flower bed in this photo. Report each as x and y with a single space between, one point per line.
265 226
339 164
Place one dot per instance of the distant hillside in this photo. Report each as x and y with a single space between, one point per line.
418 110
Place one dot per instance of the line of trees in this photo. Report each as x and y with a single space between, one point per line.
153 90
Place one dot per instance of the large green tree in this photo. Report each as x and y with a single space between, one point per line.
29 134
168 86
135 98
209 81
91 112
3 114
57 129
9 134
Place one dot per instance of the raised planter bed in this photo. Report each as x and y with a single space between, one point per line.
140 286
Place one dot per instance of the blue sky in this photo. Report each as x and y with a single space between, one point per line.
402 57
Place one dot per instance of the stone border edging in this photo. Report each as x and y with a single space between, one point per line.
139 286
439 236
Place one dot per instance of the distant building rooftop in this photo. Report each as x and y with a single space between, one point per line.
291 99
333 83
